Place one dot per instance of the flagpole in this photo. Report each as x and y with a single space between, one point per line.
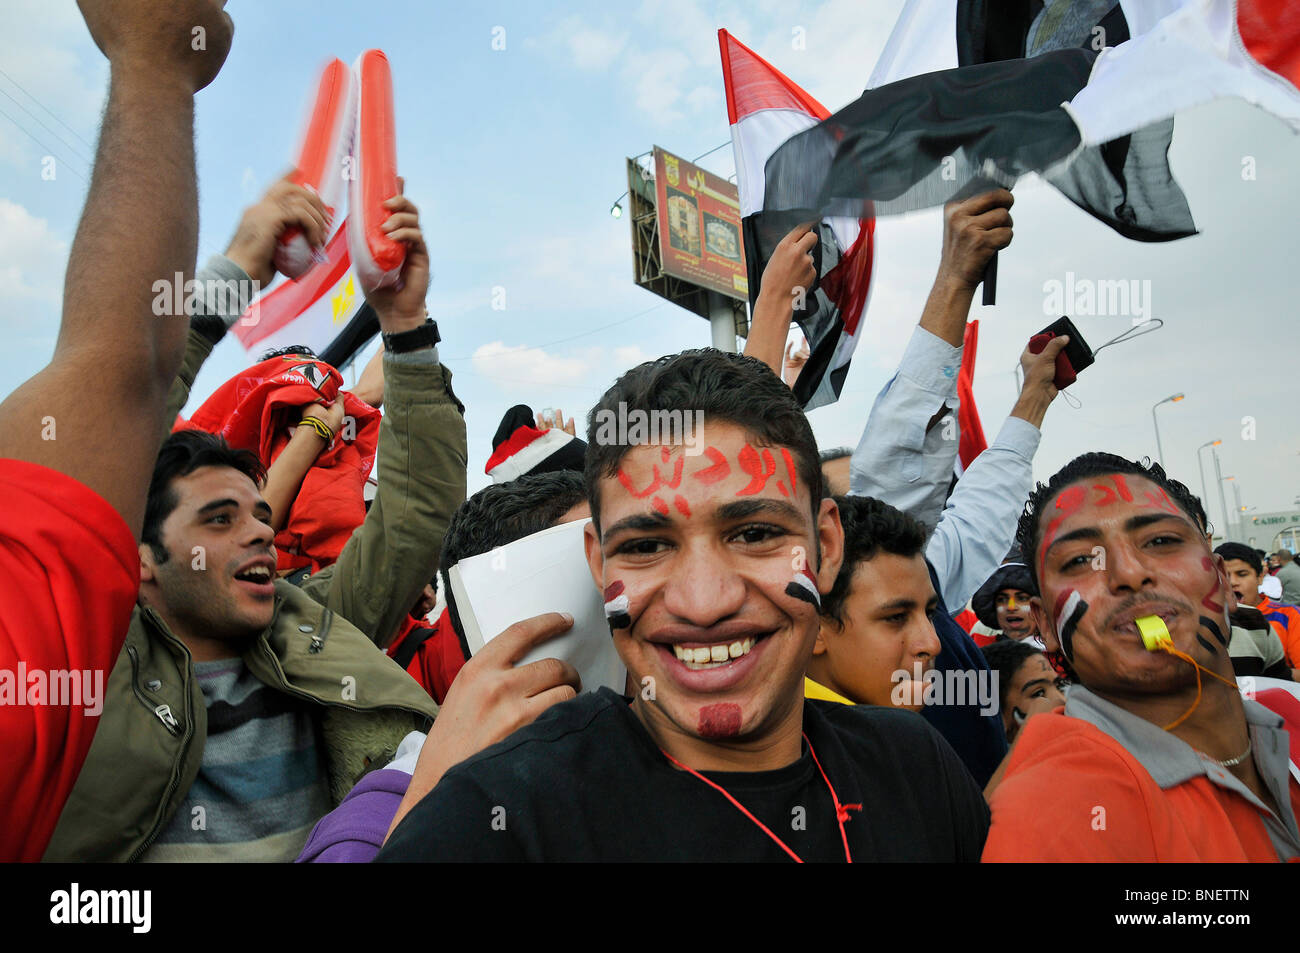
991 281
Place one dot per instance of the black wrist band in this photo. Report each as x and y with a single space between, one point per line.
426 335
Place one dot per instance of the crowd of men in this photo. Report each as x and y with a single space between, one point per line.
802 679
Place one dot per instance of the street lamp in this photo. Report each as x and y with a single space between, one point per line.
1160 454
1200 468
1223 505
1236 513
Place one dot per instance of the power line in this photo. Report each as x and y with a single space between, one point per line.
47 109
48 129
48 150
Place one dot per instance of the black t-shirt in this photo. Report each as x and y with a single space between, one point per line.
586 782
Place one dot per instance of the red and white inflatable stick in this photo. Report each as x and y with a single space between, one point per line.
322 159
376 257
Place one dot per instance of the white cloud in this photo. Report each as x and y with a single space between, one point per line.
527 367
31 258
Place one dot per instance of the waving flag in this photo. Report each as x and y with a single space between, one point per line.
969 95
1186 52
765 109
325 310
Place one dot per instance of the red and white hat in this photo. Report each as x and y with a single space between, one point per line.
519 447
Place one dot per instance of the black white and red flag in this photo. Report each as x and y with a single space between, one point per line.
765 109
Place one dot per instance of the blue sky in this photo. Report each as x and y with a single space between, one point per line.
515 156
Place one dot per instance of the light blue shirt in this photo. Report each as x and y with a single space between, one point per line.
899 462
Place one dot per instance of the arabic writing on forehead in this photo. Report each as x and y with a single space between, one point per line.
760 465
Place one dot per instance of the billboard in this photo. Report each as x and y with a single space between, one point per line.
699 226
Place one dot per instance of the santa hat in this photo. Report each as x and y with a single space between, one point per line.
518 447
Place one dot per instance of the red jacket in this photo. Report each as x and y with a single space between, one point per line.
432 655
254 410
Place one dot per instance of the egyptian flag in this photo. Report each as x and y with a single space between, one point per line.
804 586
616 607
325 310
255 410
971 96
971 442
1199 51
765 108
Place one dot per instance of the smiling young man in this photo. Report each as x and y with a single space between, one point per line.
1155 756
712 565
877 620
242 707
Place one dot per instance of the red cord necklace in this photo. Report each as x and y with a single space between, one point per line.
841 810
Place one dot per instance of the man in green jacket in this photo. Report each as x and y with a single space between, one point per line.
242 707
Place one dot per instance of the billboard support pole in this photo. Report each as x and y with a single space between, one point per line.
722 323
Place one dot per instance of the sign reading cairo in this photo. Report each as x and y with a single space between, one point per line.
699 226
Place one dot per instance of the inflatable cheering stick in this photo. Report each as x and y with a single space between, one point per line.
323 160
376 257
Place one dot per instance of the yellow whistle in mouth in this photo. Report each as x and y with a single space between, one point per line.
1155 634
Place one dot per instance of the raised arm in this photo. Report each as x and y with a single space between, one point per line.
979 522
231 281
422 458
789 273
118 345
907 450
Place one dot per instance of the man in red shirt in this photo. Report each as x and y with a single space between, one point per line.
1155 756
79 439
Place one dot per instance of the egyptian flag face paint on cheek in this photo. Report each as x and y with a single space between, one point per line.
1070 608
804 586
616 607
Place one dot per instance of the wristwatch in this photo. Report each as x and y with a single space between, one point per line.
426 335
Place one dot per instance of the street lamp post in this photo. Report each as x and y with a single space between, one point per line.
1160 453
1236 494
1200 468
1223 505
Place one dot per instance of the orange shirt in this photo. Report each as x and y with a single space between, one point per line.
1071 792
1286 620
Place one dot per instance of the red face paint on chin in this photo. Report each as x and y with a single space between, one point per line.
720 721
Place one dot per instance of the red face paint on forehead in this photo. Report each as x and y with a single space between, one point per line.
719 721
1067 501
720 469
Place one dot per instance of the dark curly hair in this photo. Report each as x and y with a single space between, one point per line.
1005 657
181 454
871 526
1028 531
723 387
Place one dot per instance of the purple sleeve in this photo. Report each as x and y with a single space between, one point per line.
354 831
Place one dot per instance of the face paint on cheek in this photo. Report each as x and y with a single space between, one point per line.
616 607
719 721
1212 627
804 587
1207 600
1070 608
